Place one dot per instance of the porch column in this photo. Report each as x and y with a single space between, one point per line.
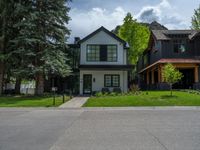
196 74
161 72
152 76
148 77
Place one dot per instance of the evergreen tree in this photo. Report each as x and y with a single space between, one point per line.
196 19
41 41
6 34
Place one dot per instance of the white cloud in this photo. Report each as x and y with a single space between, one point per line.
83 22
86 21
164 13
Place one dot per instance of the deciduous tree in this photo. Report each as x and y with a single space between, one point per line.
137 36
171 75
196 19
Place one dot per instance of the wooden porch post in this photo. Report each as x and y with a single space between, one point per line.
147 77
196 74
159 78
161 71
152 76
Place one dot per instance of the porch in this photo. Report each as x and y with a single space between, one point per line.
151 78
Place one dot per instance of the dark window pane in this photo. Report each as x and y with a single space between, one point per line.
103 53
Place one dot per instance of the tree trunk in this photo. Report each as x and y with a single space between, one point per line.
1 77
171 89
18 85
39 90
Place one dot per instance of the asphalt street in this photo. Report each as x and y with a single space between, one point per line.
99 129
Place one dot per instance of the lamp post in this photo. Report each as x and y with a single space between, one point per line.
54 89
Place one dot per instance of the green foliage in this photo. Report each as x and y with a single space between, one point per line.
196 19
134 89
171 75
137 36
41 42
32 37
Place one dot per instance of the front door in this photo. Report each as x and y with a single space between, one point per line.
87 84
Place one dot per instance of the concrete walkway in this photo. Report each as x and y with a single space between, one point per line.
75 102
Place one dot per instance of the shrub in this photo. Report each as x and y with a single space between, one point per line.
105 90
134 89
113 94
117 90
99 94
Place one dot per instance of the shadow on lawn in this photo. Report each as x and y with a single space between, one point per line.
168 96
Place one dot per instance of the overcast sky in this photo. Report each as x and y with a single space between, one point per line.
88 15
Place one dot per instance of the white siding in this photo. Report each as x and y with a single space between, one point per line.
99 79
103 38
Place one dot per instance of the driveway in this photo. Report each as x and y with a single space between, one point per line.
100 129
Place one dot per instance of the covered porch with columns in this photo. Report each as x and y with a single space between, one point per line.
153 79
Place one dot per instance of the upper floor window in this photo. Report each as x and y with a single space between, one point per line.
111 53
102 53
179 46
93 52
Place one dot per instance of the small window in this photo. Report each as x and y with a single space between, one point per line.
111 80
108 79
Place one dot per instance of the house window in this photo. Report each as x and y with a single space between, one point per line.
179 46
93 53
111 80
102 53
112 53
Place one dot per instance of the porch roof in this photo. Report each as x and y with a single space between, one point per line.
173 61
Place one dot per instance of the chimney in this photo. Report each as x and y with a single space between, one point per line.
76 40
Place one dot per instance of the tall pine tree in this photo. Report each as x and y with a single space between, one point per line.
41 40
6 34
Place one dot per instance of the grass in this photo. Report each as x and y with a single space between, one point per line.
30 101
153 98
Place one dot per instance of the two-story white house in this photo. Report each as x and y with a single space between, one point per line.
103 62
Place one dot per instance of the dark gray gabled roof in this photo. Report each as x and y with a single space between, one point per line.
164 34
106 31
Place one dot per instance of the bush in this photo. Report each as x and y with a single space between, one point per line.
117 90
105 90
134 89
113 94
99 94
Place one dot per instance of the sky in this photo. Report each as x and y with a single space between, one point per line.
88 15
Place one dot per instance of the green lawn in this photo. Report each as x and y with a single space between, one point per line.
30 101
154 98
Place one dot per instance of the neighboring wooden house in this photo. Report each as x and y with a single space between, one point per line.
179 47
103 62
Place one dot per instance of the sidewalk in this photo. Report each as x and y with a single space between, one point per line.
75 102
